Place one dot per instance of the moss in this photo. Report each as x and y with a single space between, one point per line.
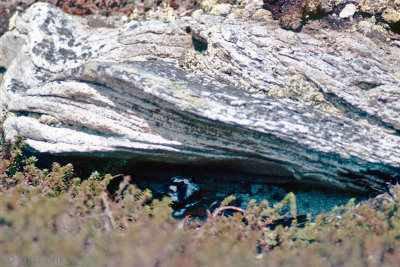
60 218
17 159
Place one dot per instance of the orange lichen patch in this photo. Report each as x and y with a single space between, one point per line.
290 13
6 10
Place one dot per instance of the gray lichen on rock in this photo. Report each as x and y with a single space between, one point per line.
199 89
299 89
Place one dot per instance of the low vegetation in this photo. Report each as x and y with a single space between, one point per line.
50 217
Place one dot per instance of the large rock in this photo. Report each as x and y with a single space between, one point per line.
199 90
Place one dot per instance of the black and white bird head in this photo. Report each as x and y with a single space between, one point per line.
184 194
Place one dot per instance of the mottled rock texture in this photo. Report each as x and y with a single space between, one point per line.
199 90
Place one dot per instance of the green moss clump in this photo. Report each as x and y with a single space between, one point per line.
51 216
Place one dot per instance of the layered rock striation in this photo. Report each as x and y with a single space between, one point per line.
319 105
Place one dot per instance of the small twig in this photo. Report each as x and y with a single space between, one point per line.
227 208
122 185
108 210
115 176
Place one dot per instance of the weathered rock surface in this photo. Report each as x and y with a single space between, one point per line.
199 90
